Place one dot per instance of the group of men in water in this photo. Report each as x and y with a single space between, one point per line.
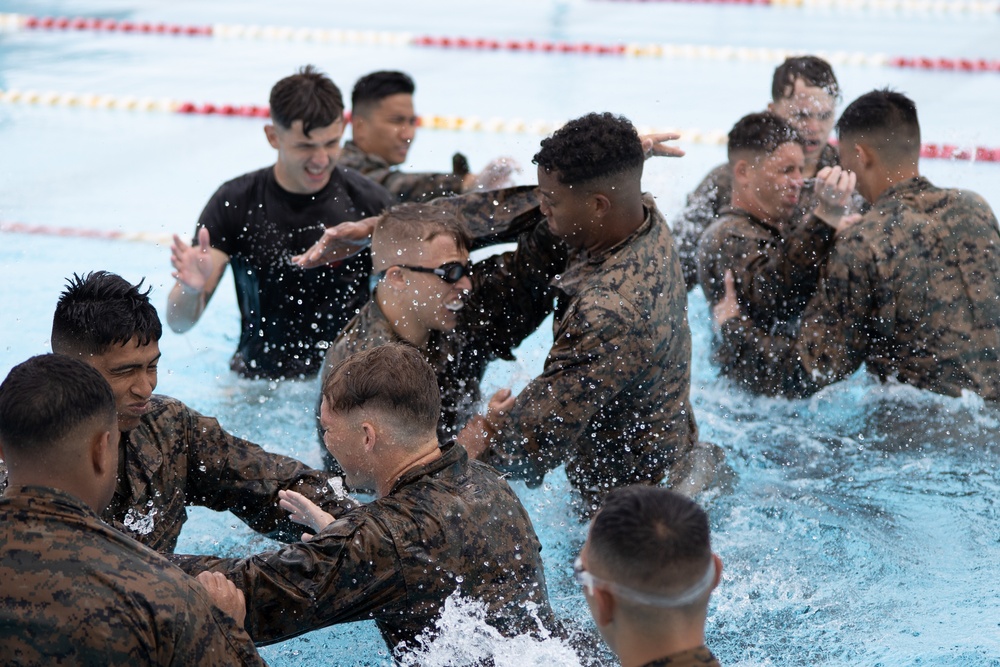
814 262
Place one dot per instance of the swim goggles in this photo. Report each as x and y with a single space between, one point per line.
450 272
589 581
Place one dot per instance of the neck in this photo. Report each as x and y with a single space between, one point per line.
614 229
18 477
411 458
811 166
637 647
885 176
744 202
401 321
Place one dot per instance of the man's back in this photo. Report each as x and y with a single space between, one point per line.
919 279
75 591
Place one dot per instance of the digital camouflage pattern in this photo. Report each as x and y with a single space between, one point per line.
612 400
695 657
510 298
450 525
775 267
176 457
706 203
403 186
912 291
74 591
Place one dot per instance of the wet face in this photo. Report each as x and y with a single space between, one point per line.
388 129
130 369
809 110
775 182
434 304
344 437
305 163
566 209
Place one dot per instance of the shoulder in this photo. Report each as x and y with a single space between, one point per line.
363 191
249 182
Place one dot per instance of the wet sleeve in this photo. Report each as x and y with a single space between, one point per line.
210 636
229 473
349 572
700 210
512 294
420 187
495 216
593 353
832 341
759 268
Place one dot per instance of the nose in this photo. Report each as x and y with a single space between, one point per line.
322 157
144 385
408 131
464 284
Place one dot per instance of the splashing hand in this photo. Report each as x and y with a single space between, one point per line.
338 243
653 145
834 187
497 174
729 306
193 265
303 511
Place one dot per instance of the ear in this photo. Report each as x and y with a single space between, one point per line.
395 278
865 154
371 435
741 171
718 570
103 456
602 205
271 133
605 606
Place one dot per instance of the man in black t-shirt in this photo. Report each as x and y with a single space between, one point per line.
258 221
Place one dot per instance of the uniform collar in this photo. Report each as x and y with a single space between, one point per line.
452 454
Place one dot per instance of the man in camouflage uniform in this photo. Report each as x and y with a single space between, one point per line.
460 321
74 590
647 571
804 92
384 125
613 399
912 290
171 456
439 525
772 250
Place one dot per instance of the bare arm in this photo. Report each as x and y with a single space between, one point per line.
198 270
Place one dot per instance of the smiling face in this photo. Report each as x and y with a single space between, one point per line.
810 110
770 184
130 369
433 304
387 128
305 163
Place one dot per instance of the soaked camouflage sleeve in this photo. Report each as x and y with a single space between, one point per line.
403 186
495 216
229 473
594 351
700 211
346 573
88 595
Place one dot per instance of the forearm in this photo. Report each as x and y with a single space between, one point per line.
494 216
184 307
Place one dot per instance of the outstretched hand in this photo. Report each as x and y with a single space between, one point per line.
193 265
481 429
499 173
303 511
338 243
654 145
729 306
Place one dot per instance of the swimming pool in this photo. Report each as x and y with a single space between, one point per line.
862 526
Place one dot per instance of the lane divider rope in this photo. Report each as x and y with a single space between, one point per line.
12 22
107 235
430 122
936 7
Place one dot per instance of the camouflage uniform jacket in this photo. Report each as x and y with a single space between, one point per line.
177 457
612 400
76 591
912 291
403 186
510 298
450 525
713 194
695 657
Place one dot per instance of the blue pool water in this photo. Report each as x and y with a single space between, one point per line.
862 526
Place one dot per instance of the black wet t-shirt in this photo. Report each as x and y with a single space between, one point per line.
286 311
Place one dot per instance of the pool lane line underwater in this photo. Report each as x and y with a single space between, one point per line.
15 22
430 122
99 234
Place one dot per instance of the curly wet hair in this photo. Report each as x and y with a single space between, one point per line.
594 146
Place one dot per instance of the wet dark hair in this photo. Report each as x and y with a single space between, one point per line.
372 88
393 379
887 120
102 309
44 398
651 538
309 96
814 71
760 134
594 146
